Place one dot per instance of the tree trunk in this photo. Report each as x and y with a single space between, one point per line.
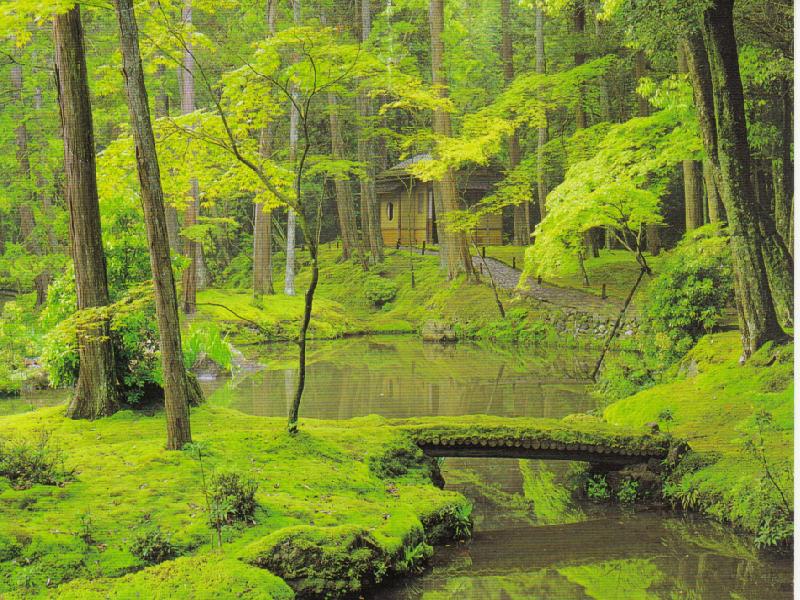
190 247
96 393
178 391
345 204
652 231
370 215
692 173
291 221
262 219
456 250
783 176
714 69
162 111
522 220
27 220
541 137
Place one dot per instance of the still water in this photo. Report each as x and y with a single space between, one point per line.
531 540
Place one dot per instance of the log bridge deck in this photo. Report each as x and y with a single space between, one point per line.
546 439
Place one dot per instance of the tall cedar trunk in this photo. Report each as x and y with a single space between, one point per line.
653 232
541 132
370 215
457 254
96 393
581 122
692 174
291 220
262 219
178 390
522 219
191 248
716 211
714 69
27 220
162 111
783 174
345 203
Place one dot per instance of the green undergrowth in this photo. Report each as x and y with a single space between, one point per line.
328 519
738 420
352 301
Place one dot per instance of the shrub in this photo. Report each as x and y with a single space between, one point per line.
628 491
208 339
687 299
26 463
379 291
597 488
233 499
151 545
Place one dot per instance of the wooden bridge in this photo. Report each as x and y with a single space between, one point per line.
576 438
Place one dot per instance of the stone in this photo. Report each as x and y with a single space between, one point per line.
206 367
434 331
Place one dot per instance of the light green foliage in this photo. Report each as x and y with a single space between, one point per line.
380 291
551 499
631 578
597 488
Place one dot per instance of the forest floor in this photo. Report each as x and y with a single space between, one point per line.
345 304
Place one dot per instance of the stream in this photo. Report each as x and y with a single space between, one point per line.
531 540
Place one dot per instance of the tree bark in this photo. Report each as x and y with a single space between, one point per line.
783 175
541 133
692 173
345 204
652 231
27 220
370 215
458 259
178 391
96 393
192 249
714 70
522 219
291 220
262 219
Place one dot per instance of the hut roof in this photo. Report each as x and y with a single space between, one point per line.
480 179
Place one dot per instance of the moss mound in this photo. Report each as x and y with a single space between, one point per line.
739 422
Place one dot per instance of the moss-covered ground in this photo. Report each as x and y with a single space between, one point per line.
738 419
342 305
318 492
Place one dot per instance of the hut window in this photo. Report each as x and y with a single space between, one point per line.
421 202
390 211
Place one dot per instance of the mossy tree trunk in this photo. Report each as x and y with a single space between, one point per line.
96 393
178 391
693 199
456 251
783 173
714 71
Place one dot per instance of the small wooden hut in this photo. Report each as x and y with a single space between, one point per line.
407 206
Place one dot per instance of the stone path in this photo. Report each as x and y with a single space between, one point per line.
507 278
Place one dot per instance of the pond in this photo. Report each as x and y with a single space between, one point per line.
531 539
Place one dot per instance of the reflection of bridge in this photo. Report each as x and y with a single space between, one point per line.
581 438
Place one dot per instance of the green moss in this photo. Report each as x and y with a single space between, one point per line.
714 402
201 578
319 479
